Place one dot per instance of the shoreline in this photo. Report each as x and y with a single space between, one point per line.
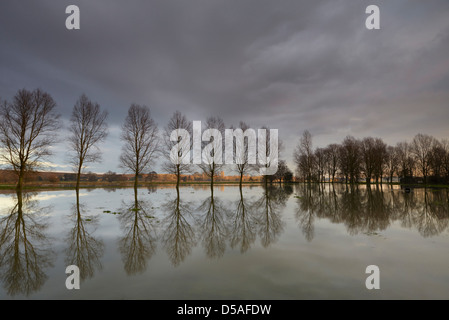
71 186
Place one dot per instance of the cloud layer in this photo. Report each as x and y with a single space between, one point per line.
290 65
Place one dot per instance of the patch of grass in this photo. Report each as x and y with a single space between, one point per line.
109 211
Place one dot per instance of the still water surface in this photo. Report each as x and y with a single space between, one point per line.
295 242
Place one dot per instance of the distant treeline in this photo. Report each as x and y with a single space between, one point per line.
9 177
425 159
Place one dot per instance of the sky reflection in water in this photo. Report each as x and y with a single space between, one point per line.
299 242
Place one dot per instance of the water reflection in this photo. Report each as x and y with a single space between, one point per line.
427 211
25 250
178 237
216 220
242 231
369 210
213 225
269 208
139 241
84 250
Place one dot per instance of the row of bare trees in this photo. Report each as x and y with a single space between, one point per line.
371 159
29 127
175 148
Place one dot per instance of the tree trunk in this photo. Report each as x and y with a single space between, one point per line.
19 202
21 178
178 176
136 202
136 182
78 178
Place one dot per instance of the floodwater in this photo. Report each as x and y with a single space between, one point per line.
283 242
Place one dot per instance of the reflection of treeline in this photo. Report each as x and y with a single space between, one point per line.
216 224
371 209
425 159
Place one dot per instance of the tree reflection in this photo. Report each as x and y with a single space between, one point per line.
84 250
267 213
213 228
139 241
307 207
426 210
432 214
179 235
242 229
25 250
403 207
364 210
377 210
369 210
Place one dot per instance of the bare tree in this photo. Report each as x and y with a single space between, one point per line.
350 159
421 148
304 156
212 156
380 155
332 160
368 154
140 135
88 128
445 165
406 165
28 128
320 164
283 174
241 150
176 146
392 162
269 153
436 161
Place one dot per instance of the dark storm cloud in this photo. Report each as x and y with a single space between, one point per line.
290 65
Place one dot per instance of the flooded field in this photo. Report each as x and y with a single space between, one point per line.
280 242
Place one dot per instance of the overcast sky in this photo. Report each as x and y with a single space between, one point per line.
288 64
